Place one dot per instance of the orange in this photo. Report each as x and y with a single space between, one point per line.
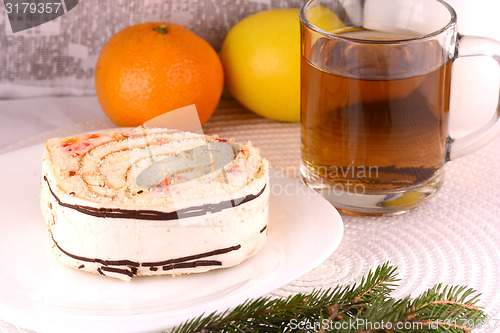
148 69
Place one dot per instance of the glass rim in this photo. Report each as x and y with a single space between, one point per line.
307 23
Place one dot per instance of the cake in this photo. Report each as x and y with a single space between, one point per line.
153 201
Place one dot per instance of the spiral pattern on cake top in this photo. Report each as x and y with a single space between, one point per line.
105 167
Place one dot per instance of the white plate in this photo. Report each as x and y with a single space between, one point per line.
39 293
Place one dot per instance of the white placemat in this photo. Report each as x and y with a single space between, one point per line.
454 238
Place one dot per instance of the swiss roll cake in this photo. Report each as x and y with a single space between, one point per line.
153 201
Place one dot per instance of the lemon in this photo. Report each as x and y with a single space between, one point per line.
324 19
404 200
261 60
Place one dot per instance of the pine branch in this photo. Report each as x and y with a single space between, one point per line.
380 282
364 308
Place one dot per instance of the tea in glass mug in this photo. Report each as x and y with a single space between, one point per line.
375 97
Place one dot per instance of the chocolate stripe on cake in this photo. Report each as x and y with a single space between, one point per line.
192 264
171 262
196 256
116 270
153 214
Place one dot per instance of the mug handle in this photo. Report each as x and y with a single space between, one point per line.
471 46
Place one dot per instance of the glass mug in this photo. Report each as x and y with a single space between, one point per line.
375 96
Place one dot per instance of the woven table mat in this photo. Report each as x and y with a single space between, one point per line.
453 239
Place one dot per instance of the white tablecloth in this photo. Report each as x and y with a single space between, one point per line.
454 238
